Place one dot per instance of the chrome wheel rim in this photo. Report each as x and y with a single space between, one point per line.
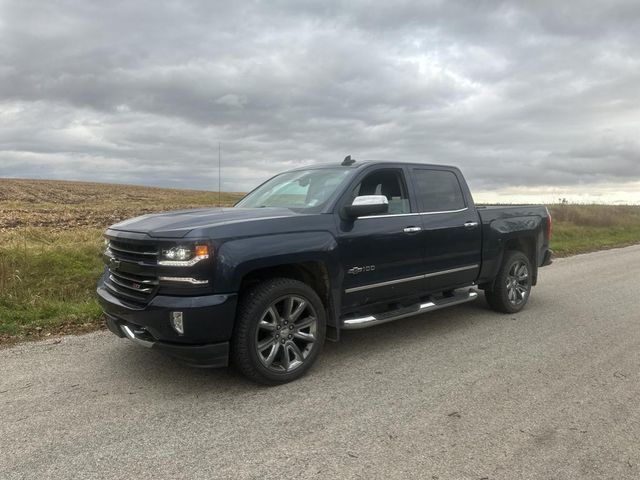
518 283
286 334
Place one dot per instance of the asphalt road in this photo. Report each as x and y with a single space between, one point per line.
463 393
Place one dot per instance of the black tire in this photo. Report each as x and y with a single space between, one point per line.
263 307
511 293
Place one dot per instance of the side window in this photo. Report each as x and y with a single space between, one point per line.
438 190
389 183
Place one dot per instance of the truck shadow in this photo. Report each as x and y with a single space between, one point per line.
148 369
417 328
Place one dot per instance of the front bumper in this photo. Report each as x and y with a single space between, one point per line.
208 325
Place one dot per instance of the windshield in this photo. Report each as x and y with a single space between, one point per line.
298 190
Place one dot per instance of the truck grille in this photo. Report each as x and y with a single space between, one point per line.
131 269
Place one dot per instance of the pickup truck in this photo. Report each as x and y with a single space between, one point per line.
310 253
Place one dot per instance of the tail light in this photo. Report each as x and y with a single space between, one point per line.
549 225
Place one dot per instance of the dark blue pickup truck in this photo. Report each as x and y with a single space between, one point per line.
312 252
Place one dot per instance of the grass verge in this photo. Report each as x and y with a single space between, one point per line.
587 228
47 282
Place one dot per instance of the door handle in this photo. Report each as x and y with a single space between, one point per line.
412 229
470 224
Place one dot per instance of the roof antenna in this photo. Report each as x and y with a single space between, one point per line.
219 173
348 161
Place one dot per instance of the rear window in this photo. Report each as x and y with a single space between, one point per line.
438 190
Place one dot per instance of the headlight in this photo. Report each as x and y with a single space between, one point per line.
183 256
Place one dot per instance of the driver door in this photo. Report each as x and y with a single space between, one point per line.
381 255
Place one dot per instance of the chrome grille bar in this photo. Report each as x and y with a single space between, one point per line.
130 287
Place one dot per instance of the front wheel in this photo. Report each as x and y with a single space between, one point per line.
279 332
512 286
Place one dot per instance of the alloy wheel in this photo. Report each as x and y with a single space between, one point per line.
286 333
518 283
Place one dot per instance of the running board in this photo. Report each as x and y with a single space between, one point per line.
377 319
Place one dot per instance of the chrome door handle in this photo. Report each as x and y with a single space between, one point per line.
470 224
412 229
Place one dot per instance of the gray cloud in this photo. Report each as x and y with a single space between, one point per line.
529 94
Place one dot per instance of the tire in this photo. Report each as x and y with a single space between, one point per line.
279 332
512 286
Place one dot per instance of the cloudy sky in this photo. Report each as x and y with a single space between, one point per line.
533 100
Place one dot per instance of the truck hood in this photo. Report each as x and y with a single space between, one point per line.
178 224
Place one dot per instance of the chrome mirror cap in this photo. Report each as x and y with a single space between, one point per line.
366 205
370 200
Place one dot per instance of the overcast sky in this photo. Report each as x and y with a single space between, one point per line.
537 99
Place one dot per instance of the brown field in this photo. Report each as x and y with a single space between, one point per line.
61 205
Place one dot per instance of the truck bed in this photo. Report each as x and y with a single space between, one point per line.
489 213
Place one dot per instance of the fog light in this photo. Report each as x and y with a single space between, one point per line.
177 323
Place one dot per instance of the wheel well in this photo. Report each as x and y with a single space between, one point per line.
313 274
526 245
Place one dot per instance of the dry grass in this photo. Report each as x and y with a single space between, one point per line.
600 216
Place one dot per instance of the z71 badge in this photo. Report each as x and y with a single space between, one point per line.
357 270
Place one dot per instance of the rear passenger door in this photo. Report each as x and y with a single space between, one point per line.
451 233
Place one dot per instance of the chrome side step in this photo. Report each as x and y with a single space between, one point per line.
377 319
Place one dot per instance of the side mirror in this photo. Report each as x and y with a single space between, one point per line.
365 205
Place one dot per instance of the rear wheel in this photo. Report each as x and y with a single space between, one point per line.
280 331
512 286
